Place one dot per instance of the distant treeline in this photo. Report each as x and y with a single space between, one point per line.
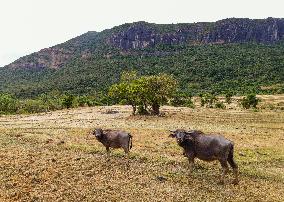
54 100
144 93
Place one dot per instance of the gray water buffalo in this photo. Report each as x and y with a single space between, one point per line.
113 139
208 148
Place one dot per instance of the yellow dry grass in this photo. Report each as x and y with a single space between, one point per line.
50 157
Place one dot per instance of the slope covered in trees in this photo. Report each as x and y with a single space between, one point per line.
240 68
238 55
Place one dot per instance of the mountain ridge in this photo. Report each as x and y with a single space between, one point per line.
236 55
141 35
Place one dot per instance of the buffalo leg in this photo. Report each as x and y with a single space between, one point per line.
235 168
191 164
108 152
225 169
126 150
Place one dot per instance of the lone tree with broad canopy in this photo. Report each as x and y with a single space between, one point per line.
146 92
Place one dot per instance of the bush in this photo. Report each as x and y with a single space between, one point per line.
250 101
189 104
51 100
208 99
123 102
84 100
33 106
181 99
8 104
68 100
228 97
202 100
220 105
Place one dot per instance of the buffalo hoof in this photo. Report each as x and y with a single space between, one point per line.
161 178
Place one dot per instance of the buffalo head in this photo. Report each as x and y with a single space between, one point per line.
97 132
181 135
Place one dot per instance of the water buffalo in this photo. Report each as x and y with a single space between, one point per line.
208 148
113 139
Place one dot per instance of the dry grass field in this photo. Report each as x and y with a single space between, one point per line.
51 157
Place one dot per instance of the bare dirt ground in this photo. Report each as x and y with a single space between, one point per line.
51 157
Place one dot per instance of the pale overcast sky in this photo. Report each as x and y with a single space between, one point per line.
27 26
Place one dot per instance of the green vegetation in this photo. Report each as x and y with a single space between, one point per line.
8 104
220 105
144 91
228 97
182 99
208 100
237 68
46 102
68 101
250 101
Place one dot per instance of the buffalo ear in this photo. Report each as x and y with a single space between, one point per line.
172 135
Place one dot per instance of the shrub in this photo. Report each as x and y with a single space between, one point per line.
250 101
68 100
189 104
208 99
51 100
220 105
202 100
8 104
180 99
84 100
33 106
228 97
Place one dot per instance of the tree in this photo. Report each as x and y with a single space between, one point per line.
228 97
156 90
68 100
250 101
208 99
128 90
144 91
8 104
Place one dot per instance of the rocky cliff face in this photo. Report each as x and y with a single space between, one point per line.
54 57
245 30
142 35
57 56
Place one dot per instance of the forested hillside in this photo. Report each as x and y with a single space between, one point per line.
238 55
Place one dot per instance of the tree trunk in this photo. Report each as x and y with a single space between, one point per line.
156 108
133 109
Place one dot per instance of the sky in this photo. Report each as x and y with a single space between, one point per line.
26 26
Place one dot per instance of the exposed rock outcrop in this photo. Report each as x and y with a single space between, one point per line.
141 35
